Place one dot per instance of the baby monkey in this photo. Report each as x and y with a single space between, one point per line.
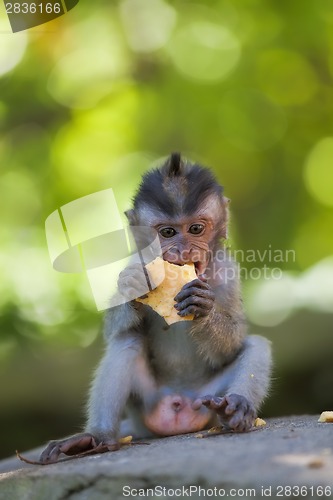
193 374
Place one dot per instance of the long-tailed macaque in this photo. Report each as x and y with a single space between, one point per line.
193 374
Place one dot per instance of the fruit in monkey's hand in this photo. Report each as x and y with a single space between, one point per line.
161 299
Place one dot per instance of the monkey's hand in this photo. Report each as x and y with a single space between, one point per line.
196 297
132 282
234 411
74 445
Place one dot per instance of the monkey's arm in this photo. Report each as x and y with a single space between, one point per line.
220 326
243 363
221 333
237 391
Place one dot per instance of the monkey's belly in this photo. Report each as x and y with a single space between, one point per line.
174 415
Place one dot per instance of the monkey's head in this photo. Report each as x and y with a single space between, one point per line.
185 204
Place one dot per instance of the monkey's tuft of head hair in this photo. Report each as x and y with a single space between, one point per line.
174 165
177 187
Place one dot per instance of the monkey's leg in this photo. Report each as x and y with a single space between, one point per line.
238 390
123 371
118 374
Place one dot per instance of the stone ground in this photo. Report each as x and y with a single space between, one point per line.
288 452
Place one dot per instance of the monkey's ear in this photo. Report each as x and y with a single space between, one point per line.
131 217
226 201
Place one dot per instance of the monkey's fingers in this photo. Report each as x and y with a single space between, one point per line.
132 281
200 302
239 413
211 402
236 402
214 402
197 404
195 292
197 311
240 423
234 411
197 283
131 285
135 293
132 269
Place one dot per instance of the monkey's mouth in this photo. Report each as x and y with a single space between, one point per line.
198 266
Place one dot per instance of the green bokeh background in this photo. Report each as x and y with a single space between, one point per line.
91 100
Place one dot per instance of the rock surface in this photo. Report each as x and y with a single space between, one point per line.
288 452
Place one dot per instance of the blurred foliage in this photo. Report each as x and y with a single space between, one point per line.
93 99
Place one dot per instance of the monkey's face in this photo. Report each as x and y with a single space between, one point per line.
186 237
187 240
184 203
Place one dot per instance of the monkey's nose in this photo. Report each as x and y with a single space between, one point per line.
185 254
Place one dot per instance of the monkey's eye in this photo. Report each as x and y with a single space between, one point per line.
196 228
167 232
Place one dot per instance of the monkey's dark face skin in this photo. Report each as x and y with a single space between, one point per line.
186 240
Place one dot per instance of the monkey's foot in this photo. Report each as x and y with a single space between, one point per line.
234 411
75 445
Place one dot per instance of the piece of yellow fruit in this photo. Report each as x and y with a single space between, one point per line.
259 422
161 299
215 430
125 440
326 416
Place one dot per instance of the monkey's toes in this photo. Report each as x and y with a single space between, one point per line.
69 446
